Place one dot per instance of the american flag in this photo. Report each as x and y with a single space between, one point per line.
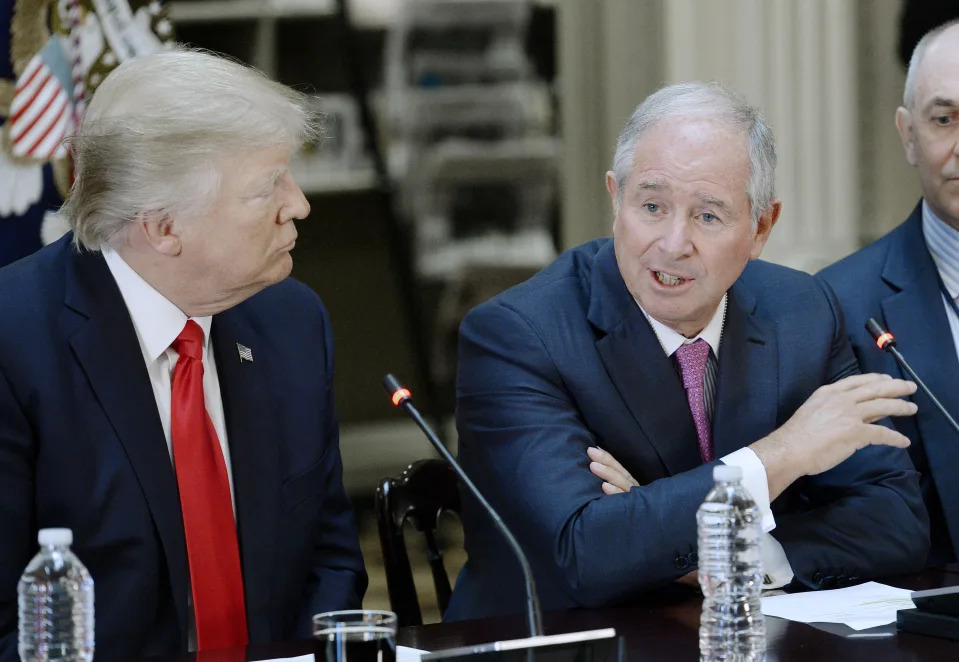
246 354
41 113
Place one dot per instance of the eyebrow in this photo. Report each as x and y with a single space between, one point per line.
652 186
941 102
269 180
714 201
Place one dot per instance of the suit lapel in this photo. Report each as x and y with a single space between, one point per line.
106 347
915 313
747 388
253 457
639 368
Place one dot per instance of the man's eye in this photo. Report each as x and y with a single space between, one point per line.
651 207
943 120
709 218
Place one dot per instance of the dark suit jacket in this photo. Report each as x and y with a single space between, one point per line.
81 446
896 281
568 360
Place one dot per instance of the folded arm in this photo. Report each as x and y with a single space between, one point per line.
524 442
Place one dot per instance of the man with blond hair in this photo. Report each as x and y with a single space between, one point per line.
909 280
165 389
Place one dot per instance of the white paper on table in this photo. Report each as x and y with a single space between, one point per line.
403 654
300 658
865 606
407 654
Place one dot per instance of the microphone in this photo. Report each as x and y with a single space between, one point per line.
403 398
887 342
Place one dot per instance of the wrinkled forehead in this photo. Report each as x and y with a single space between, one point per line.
693 135
692 150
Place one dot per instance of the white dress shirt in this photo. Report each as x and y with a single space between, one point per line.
158 323
942 240
775 564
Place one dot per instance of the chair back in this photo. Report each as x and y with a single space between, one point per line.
425 489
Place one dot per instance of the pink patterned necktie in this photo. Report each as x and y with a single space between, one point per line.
692 359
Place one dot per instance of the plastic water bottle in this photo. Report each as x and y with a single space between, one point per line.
55 603
730 571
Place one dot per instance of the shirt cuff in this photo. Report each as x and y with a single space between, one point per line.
755 482
776 569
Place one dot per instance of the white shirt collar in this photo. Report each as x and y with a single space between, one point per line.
672 340
942 240
156 319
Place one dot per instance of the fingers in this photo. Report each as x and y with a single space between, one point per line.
855 381
610 469
884 388
623 482
874 385
872 410
606 467
609 488
597 454
880 435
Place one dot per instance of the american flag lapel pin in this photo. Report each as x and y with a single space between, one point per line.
246 354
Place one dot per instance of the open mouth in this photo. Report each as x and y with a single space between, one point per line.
669 280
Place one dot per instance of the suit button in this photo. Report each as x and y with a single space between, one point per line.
816 578
681 562
693 558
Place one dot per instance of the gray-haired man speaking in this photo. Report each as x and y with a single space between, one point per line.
593 400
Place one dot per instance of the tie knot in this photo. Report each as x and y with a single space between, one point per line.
190 341
692 363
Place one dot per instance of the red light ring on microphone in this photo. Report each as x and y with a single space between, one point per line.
401 395
884 340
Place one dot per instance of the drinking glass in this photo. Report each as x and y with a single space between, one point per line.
355 635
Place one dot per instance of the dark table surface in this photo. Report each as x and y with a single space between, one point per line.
668 630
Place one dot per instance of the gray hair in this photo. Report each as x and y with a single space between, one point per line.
158 126
710 101
918 53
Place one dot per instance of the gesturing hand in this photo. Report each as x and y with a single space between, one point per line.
835 422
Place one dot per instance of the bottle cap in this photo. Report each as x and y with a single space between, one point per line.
55 537
727 473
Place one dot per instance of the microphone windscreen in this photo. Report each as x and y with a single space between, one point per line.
874 328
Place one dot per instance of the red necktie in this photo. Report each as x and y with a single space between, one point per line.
215 574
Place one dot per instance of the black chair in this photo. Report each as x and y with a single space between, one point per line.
425 489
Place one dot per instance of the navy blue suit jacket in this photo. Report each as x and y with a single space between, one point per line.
81 446
567 360
896 281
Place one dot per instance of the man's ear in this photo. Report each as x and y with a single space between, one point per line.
907 133
613 190
160 232
764 226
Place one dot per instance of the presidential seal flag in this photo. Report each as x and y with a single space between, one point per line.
59 52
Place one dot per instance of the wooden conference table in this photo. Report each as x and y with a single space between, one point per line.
669 631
